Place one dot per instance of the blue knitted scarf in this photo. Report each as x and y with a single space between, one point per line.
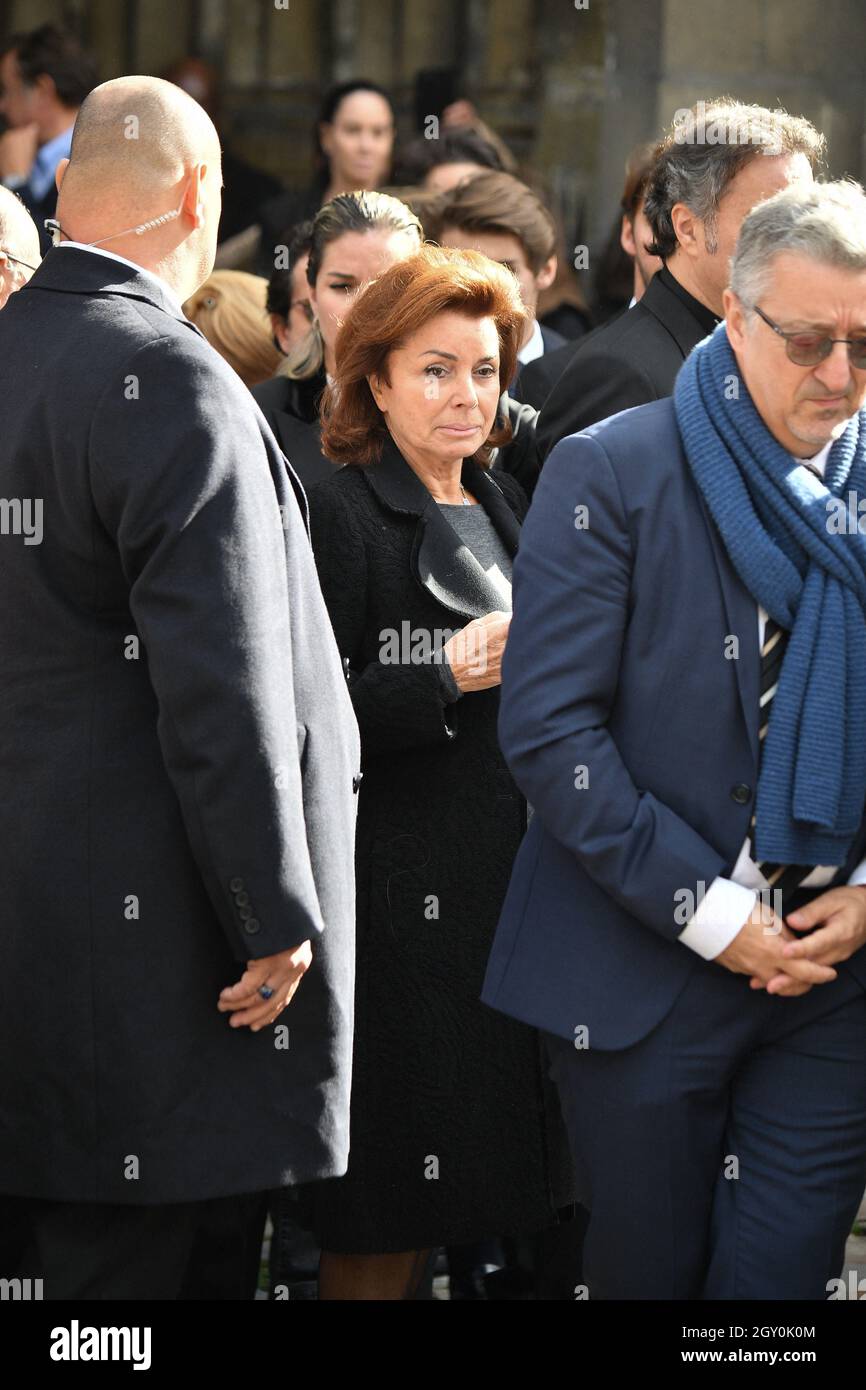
803 559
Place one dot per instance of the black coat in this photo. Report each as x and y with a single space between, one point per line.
630 361
537 379
437 1076
291 408
553 342
279 216
177 750
519 457
39 209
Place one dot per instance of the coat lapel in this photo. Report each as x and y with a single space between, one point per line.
742 620
440 561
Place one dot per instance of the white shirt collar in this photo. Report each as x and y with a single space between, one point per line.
819 462
534 347
148 274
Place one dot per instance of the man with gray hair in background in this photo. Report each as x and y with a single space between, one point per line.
178 756
716 161
19 245
682 704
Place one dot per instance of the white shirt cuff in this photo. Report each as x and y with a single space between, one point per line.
859 874
720 914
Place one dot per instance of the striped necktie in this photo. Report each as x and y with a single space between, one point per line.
785 878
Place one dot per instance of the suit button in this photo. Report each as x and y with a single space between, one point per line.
236 885
242 899
357 780
252 926
245 913
741 793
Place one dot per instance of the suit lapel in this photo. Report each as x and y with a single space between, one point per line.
742 619
440 561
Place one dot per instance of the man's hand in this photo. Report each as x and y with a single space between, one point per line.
18 150
842 911
281 973
758 950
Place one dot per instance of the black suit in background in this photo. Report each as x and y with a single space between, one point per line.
177 750
519 457
631 361
291 408
39 209
537 379
553 343
439 822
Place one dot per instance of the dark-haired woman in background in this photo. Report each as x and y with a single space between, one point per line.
354 238
455 1132
353 145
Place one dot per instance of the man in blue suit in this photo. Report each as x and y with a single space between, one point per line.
682 702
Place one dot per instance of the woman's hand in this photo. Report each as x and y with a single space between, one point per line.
475 653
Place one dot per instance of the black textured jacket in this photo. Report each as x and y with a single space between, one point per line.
439 823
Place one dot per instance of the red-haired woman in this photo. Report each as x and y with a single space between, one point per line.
455 1131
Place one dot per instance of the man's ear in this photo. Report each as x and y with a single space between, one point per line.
47 88
735 319
62 166
686 225
626 236
280 331
192 204
546 275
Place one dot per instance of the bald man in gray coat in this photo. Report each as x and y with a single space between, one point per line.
179 755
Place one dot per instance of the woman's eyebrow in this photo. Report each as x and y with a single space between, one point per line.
439 352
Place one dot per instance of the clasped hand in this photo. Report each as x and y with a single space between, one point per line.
767 949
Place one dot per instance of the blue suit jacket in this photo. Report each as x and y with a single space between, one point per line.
630 727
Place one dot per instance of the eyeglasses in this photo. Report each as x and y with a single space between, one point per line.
16 260
808 349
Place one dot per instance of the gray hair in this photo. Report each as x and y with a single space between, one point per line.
824 222
704 150
18 233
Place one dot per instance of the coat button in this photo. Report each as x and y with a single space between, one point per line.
741 793
236 885
357 780
245 913
252 926
242 899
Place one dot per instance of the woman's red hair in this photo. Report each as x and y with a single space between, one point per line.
392 308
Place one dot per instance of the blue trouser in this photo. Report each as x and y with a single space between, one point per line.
724 1155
